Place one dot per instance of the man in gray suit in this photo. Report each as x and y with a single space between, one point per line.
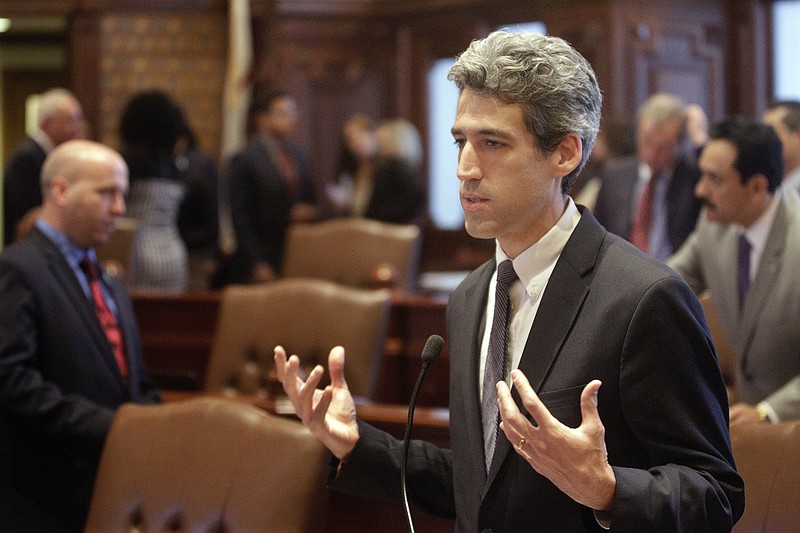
784 117
746 252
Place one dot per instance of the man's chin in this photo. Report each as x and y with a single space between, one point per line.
475 231
714 216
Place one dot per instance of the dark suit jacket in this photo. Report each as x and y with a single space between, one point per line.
21 189
607 313
261 206
398 196
615 202
59 387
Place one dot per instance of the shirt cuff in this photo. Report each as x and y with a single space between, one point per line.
603 519
771 415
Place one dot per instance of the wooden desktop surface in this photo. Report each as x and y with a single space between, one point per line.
177 332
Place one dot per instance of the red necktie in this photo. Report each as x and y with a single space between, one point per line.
106 317
289 170
643 221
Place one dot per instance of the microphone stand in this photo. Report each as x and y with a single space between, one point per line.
432 349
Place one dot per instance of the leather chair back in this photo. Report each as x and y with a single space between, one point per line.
206 465
356 252
727 361
116 254
305 316
768 460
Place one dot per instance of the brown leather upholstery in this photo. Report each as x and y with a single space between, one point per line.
350 250
768 458
307 317
116 254
727 361
206 465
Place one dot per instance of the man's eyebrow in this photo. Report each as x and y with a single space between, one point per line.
488 132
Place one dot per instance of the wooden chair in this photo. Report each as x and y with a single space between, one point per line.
208 464
116 254
356 252
727 361
307 317
768 460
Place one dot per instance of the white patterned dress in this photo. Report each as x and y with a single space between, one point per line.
160 259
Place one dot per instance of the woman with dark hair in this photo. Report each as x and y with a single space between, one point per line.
149 129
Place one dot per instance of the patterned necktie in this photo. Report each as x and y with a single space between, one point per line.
744 268
643 220
107 319
496 358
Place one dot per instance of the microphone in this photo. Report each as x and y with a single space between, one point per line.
433 347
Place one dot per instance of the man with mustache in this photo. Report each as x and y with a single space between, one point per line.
746 252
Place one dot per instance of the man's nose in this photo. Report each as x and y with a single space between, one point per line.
468 164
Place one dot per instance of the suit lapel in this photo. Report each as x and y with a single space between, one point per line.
768 270
561 303
62 272
470 342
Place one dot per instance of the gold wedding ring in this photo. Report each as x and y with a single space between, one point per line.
521 443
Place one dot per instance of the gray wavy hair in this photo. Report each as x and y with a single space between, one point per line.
553 83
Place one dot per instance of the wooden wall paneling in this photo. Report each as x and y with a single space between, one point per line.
182 54
749 67
334 67
664 48
83 53
587 27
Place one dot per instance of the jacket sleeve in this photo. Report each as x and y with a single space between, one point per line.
24 391
373 470
674 401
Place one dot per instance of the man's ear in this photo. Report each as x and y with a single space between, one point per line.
58 190
758 184
567 155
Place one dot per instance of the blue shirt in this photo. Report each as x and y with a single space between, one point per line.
74 254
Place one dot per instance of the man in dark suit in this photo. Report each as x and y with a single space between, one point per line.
62 373
270 187
59 119
618 415
649 198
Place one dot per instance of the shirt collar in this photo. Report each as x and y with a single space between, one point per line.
758 232
73 253
793 179
43 140
542 255
646 173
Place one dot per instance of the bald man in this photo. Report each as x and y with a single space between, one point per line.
62 373
59 119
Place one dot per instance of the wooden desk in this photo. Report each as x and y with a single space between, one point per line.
177 332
